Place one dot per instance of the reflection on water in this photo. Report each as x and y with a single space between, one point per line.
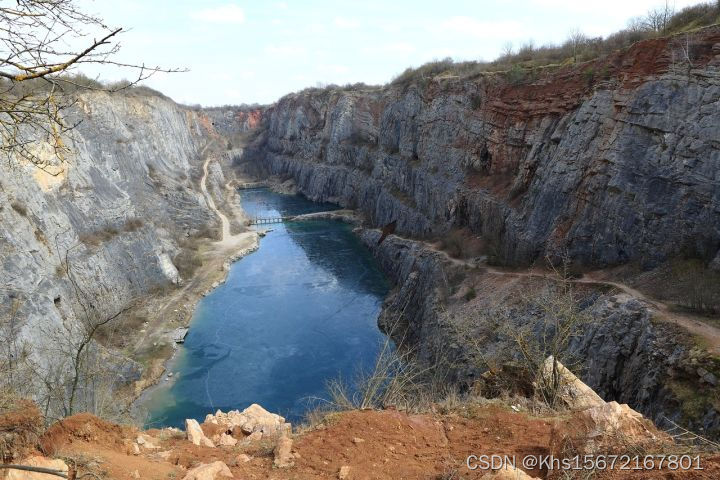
297 312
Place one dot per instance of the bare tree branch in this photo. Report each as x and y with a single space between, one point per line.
38 78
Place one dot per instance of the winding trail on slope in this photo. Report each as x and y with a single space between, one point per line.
709 333
216 257
211 202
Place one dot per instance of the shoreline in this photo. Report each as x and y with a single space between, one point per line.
199 286
169 313
155 376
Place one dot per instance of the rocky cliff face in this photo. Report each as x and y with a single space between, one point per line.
614 161
623 353
107 215
610 162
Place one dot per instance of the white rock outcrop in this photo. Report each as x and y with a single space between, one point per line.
283 453
254 421
195 433
597 425
572 391
508 472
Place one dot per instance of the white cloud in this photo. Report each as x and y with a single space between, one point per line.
627 8
336 69
441 53
400 47
347 23
229 13
397 47
285 50
475 28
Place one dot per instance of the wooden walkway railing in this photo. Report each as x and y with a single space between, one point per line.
266 220
249 185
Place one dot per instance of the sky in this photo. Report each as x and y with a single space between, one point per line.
255 51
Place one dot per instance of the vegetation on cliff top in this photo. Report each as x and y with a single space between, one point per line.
577 48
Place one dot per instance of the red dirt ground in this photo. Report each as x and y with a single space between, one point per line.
374 444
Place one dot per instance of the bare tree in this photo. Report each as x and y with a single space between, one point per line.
576 39
67 370
657 19
507 50
76 341
42 43
561 321
13 352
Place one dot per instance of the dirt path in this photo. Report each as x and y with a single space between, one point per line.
709 333
211 202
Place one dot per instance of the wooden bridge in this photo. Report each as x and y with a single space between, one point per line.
266 220
249 185
293 218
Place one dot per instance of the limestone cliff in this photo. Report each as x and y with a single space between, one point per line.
611 162
615 160
108 214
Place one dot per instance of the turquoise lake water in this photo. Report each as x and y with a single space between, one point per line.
299 311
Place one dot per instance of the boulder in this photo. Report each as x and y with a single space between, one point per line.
227 440
195 433
614 425
209 471
148 442
572 391
250 421
508 472
37 461
283 453
344 472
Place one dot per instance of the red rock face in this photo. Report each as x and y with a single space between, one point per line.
250 119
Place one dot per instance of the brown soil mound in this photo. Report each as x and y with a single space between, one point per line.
21 425
84 427
390 444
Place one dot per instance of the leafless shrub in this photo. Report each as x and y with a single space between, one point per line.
19 207
98 237
187 261
461 243
519 66
133 225
561 320
395 379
